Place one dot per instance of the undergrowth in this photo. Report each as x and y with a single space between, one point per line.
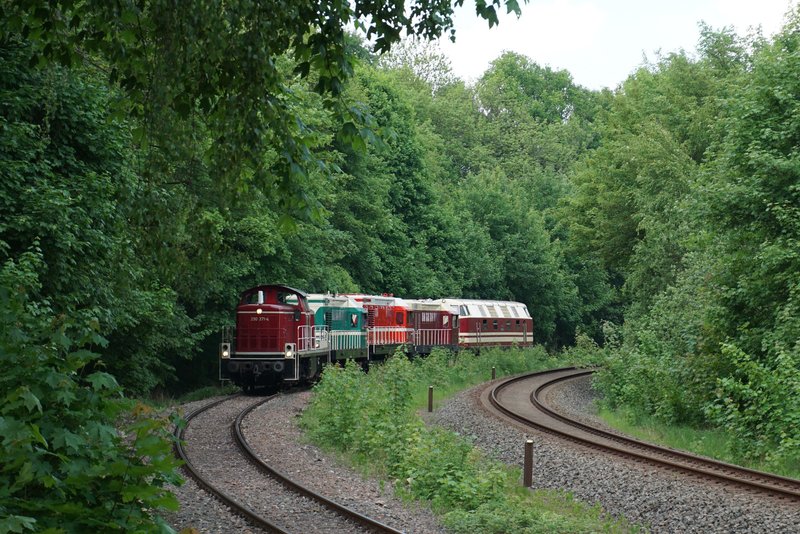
372 420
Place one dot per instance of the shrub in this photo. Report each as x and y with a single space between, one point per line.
67 466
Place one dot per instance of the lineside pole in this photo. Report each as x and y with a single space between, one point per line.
527 477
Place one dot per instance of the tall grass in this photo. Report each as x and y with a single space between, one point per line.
372 420
710 442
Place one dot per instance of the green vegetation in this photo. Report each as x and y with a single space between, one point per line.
372 418
711 442
145 181
77 456
696 180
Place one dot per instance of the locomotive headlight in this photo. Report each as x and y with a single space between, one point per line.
258 311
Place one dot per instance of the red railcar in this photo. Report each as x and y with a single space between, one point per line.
434 324
387 322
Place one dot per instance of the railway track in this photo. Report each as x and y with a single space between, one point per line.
222 462
521 399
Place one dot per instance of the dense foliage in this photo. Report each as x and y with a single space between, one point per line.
77 457
691 204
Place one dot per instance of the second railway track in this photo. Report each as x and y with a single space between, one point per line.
218 456
521 399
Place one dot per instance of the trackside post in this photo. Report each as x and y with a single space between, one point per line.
527 477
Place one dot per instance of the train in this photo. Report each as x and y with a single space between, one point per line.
285 336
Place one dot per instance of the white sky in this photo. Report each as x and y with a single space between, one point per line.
600 42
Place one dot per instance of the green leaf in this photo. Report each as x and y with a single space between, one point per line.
101 380
17 523
31 401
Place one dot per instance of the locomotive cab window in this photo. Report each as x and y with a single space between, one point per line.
256 297
287 298
398 317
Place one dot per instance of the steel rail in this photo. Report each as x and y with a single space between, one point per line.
296 486
774 484
238 508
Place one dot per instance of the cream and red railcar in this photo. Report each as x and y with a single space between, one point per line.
484 323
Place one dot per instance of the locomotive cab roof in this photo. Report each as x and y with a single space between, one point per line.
431 305
274 294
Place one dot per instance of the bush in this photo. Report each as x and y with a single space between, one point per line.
759 405
67 466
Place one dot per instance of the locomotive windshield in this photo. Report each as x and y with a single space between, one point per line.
256 297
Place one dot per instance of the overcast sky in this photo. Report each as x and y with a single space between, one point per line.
600 42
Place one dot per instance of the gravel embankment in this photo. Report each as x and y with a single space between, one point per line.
272 431
199 510
660 500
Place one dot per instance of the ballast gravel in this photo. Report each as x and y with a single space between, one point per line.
273 433
661 501
200 512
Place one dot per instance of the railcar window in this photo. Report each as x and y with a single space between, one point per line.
494 324
398 317
445 320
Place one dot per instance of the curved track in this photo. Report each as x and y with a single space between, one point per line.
521 399
205 467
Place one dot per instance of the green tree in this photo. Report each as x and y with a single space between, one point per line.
69 185
754 200
218 62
